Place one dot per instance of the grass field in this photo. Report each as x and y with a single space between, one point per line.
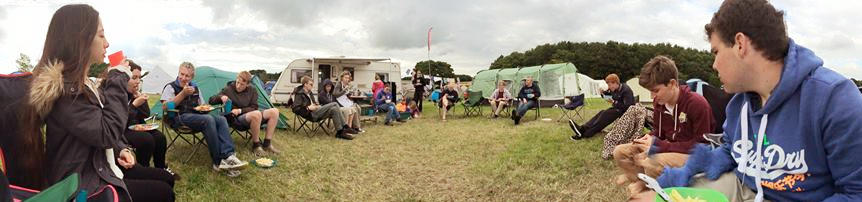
464 159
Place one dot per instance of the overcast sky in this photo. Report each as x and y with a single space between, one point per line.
269 34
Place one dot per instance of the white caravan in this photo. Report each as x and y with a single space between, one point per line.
362 69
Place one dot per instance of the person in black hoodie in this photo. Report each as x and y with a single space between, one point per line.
622 98
529 97
306 107
325 95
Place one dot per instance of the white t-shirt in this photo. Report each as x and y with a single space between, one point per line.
168 95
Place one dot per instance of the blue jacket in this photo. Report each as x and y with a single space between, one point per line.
381 98
811 150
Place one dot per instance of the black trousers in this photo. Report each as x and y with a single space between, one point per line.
600 121
417 97
149 145
149 184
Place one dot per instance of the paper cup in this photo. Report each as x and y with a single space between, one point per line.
116 58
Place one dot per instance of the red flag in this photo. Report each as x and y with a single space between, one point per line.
429 38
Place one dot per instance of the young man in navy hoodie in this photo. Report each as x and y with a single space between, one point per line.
793 128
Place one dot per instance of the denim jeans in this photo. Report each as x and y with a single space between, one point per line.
389 108
216 132
523 107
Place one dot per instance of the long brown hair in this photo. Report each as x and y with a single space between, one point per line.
69 39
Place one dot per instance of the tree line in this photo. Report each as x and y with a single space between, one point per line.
598 59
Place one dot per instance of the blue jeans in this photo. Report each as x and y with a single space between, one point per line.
389 108
216 132
523 107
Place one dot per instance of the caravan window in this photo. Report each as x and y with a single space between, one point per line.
383 76
296 74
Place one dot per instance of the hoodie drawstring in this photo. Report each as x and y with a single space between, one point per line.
758 154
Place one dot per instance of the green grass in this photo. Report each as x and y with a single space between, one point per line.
476 159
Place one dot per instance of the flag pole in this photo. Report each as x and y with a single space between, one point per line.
430 69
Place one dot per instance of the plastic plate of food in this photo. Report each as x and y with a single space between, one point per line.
204 108
264 163
144 127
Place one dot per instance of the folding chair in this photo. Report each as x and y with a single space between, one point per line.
472 106
507 109
310 127
241 130
537 108
60 191
187 134
575 105
302 123
235 126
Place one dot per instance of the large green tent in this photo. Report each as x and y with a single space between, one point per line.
555 80
524 72
507 75
485 79
210 81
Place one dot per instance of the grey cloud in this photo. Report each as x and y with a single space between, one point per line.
471 34
295 14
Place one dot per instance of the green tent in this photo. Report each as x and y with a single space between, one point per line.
558 80
486 81
525 72
507 75
210 81
555 80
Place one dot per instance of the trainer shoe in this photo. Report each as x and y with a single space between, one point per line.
575 128
232 163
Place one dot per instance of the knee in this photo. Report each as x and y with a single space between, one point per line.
254 116
272 111
158 136
211 120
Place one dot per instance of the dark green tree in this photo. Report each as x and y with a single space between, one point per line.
436 68
97 69
598 59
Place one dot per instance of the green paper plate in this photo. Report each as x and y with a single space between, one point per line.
274 163
701 194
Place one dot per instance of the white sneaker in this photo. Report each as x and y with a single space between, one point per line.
232 163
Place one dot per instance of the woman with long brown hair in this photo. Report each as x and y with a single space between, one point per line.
83 121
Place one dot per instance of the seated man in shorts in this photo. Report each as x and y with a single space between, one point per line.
245 112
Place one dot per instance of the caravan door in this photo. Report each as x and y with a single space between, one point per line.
324 71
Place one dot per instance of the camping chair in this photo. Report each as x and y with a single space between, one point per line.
507 109
235 126
472 106
60 191
537 108
192 137
575 105
309 126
